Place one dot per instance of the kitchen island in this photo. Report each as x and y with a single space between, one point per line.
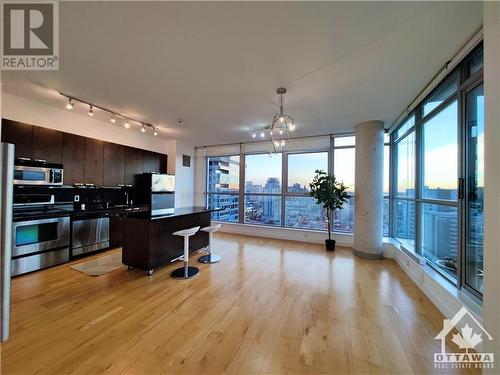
148 242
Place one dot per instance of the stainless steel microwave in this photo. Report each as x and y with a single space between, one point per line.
37 172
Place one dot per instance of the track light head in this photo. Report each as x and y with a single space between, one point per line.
91 110
143 129
126 124
112 119
70 105
155 133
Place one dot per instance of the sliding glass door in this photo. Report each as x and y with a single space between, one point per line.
474 208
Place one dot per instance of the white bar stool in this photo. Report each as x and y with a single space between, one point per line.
187 271
210 258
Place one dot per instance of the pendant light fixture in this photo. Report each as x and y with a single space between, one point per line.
280 127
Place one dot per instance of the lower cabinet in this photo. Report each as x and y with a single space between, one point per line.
115 231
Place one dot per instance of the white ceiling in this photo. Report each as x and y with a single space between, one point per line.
217 65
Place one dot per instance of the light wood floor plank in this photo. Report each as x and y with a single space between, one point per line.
270 307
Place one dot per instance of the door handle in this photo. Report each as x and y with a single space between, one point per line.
461 188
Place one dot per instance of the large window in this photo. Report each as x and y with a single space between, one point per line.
273 189
385 191
301 211
343 168
263 189
223 175
440 155
404 205
437 179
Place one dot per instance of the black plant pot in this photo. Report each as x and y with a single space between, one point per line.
330 245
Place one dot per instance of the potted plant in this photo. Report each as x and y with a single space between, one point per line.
332 195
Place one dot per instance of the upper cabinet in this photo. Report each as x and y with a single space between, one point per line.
94 161
47 144
114 164
85 160
134 164
73 151
21 135
149 161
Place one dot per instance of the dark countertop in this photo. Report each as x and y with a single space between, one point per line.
177 212
68 210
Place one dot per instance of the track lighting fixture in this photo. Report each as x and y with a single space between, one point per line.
254 135
262 134
114 116
70 104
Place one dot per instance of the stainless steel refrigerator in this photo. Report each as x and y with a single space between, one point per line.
6 191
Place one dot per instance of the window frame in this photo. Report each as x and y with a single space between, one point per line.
466 83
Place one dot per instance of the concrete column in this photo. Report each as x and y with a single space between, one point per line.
369 176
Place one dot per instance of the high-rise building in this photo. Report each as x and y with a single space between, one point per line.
272 205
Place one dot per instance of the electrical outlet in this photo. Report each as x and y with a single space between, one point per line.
76 198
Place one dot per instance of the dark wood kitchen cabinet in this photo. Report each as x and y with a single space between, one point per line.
149 161
73 152
161 162
47 144
85 160
19 134
114 164
94 156
134 163
115 231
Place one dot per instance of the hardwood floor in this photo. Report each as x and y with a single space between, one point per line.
269 307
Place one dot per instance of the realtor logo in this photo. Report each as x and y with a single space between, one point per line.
469 334
30 35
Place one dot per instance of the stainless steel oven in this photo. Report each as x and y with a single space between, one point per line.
37 172
39 235
39 243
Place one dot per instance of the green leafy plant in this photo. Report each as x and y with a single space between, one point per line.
328 192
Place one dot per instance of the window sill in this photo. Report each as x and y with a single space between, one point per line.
443 293
284 233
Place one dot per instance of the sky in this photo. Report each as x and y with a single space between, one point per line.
441 150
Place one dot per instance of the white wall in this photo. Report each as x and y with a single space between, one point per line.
492 177
34 113
184 176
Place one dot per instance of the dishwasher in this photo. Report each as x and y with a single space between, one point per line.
89 233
